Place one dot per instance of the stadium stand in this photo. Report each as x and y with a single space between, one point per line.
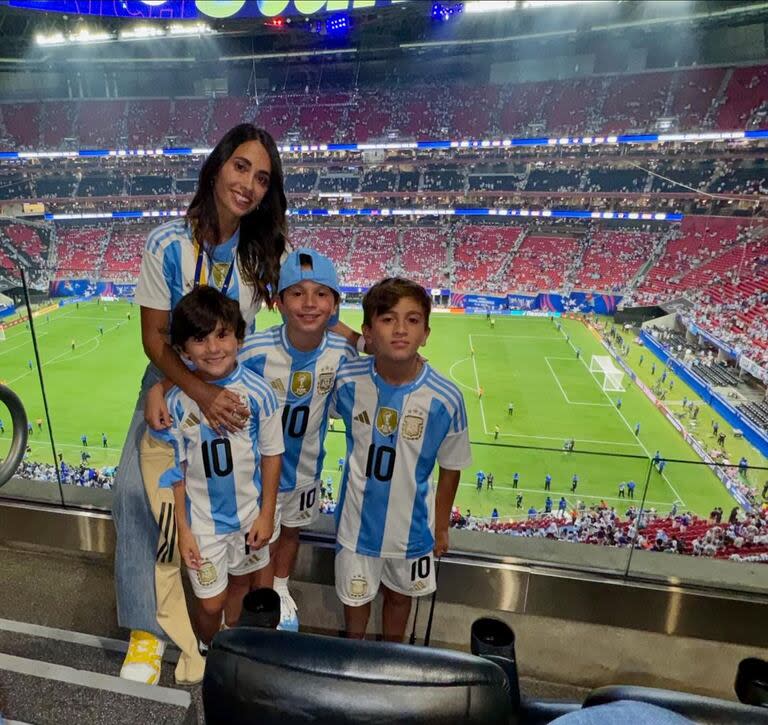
746 92
481 256
21 121
607 104
148 121
122 256
424 258
542 263
333 242
374 256
298 182
80 250
612 259
189 120
378 181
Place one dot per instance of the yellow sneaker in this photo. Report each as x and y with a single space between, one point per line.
143 659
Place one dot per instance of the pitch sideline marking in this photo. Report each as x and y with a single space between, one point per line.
562 390
477 380
455 379
54 359
626 422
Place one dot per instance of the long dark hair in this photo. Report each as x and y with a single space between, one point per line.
262 232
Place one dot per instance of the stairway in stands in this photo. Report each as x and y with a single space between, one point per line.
61 649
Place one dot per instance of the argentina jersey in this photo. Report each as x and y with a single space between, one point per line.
302 382
168 270
222 472
395 435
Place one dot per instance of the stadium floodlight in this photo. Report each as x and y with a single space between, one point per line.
489 6
50 39
90 36
141 32
179 29
538 4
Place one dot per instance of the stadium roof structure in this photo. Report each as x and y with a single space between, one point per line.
372 28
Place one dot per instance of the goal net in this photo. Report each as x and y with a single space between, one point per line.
612 377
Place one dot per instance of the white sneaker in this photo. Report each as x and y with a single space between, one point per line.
144 657
289 616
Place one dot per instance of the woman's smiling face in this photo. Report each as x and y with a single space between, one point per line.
242 181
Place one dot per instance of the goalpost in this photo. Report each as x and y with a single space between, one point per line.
612 376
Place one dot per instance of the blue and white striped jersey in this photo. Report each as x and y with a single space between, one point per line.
395 435
168 270
222 472
302 382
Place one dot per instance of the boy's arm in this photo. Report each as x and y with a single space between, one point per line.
271 448
156 413
187 543
447 485
263 528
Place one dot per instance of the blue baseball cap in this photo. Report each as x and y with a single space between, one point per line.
322 272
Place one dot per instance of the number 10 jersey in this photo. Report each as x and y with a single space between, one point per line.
222 472
303 382
395 435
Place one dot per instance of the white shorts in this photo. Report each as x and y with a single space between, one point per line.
224 554
358 577
300 507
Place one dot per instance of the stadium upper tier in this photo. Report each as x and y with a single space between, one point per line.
720 98
536 177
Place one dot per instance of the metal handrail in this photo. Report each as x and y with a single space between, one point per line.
9 465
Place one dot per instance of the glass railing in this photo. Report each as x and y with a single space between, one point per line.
610 504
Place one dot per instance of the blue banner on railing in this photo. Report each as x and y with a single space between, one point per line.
86 289
479 303
522 302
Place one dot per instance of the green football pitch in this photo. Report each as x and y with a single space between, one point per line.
92 389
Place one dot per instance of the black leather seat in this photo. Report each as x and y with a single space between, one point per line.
265 676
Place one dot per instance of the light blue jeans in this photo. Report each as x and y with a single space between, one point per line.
137 530
623 712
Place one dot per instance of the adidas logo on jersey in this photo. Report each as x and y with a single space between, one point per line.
277 384
363 418
190 421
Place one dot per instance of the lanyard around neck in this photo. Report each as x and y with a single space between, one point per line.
200 278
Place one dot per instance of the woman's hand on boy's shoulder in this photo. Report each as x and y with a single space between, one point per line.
156 413
223 409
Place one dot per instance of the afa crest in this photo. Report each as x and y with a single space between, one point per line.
413 427
324 383
206 574
219 273
358 587
386 421
301 383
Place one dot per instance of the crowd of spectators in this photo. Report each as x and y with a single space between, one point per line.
742 536
70 475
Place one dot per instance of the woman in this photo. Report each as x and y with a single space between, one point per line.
233 238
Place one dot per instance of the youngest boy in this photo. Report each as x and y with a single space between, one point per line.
401 417
224 484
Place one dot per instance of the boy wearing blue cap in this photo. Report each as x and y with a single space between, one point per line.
299 360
